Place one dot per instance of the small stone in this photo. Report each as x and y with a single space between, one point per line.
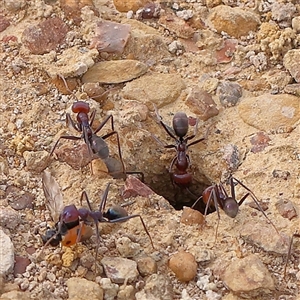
282 11
231 156
290 60
157 287
296 24
286 209
264 237
110 289
281 174
293 89
229 93
126 293
234 21
82 289
9 218
95 91
13 295
177 25
18 199
134 187
191 216
259 142
35 160
225 54
7 254
146 265
251 278
127 248
268 112
72 9
184 265
4 169
21 264
202 104
14 5
158 89
46 36
127 5
4 23
110 37
120 269
115 71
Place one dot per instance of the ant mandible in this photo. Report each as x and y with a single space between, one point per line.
180 177
215 196
72 222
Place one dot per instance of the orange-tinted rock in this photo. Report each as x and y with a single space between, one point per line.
46 36
191 216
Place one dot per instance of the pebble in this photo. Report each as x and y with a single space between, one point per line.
18 199
234 21
14 5
251 277
296 24
290 60
21 264
293 89
270 112
146 265
202 104
115 71
146 45
158 287
35 160
286 209
127 5
4 23
9 218
259 142
126 293
110 289
226 53
82 289
184 265
158 89
191 216
110 37
74 61
127 248
7 254
282 11
119 269
13 295
229 93
264 237
45 36
134 187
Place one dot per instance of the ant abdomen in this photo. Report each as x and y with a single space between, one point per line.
180 124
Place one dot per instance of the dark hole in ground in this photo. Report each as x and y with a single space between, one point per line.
178 198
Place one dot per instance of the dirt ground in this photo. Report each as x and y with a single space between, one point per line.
242 139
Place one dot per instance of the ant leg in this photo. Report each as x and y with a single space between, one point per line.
103 200
71 124
289 252
92 117
104 122
255 199
67 137
119 147
122 219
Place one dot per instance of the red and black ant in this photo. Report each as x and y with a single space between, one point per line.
295 235
96 145
215 196
71 227
180 176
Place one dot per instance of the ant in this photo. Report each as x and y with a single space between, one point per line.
96 144
215 196
73 222
296 234
180 177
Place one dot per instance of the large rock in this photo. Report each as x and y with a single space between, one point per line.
270 112
234 21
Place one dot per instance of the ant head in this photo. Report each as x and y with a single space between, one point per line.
70 214
180 124
80 106
231 207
